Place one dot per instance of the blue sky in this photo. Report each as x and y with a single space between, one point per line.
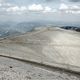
29 10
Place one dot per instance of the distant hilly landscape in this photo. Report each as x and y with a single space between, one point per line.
7 29
17 28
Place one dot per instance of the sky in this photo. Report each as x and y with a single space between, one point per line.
31 10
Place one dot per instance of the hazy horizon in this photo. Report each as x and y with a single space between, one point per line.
23 15
33 10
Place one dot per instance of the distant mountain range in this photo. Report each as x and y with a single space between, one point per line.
16 28
8 29
71 28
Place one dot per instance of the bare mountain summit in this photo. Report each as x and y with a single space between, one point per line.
54 47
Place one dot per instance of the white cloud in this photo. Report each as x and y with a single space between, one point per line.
23 8
3 4
35 7
14 9
47 9
63 6
40 8
54 10
72 9
0 4
73 12
75 7
9 8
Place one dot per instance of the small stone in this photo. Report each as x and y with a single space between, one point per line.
10 66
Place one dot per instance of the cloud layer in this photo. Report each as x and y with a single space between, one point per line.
35 7
74 9
15 9
74 0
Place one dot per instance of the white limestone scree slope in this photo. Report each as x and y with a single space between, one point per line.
50 46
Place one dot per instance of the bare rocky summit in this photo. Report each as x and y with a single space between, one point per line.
11 69
54 47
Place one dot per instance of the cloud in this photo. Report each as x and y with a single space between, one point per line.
47 9
74 0
49 0
7 4
4 4
0 4
35 7
5 1
73 12
23 8
17 9
63 6
8 7
73 9
1 0
14 9
40 8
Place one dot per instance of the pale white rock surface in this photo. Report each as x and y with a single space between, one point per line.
11 69
54 47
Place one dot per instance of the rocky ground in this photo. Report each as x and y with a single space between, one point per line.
51 46
54 47
11 69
